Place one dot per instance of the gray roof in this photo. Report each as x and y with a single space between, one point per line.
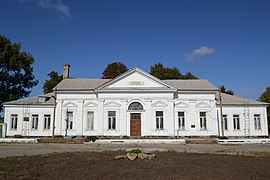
90 84
33 100
235 100
192 84
80 84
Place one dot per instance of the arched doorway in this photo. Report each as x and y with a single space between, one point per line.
135 118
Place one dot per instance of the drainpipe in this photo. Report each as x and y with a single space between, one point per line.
54 111
221 114
178 133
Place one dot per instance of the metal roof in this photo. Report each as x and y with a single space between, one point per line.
33 100
80 84
235 100
90 84
192 84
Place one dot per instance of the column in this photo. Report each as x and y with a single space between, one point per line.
100 117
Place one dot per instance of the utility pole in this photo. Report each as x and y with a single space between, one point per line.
221 114
54 111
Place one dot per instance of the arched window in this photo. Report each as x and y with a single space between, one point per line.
135 106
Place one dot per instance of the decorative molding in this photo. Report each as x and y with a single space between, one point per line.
123 100
202 105
90 104
101 100
70 104
59 101
159 104
192 101
112 104
181 105
148 100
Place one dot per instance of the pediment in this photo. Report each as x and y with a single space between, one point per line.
202 105
112 104
136 78
70 104
159 104
181 105
90 104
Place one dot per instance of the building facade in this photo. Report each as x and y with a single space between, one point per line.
135 104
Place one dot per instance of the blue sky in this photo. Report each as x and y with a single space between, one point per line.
226 42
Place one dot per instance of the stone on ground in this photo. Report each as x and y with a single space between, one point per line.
120 156
151 156
131 156
142 156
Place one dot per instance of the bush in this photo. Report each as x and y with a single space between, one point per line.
91 138
18 136
136 151
223 137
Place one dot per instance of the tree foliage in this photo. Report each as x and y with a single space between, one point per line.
114 69
227 91
161 72
16 71
265 97
52 82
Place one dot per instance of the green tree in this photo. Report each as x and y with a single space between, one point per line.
161 72
224 90
114 69
189 75
265 97
16 71
52 82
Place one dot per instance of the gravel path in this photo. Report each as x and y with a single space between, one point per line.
7 150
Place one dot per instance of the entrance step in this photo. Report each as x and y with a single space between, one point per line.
138 141
202 141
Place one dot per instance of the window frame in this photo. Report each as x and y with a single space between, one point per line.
13 121
47 122
225 121
34 121
181 120
70 120
203 120
90 126
111 120
257 122
236 122
159 120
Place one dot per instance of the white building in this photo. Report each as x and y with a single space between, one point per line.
135 104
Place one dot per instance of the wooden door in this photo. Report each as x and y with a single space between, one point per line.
135 124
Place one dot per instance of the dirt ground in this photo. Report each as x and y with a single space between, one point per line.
102 165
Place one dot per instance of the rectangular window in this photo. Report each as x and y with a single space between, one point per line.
111 119
35 121
90 120
236 122
181 120
47 121
257 121
159 120
13 121
203 120
69 120
225 121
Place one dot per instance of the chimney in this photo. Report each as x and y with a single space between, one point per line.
66 71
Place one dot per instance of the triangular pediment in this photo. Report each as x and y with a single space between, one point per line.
181 105
159 104
136 79
202 105
70 104
90 104
112 104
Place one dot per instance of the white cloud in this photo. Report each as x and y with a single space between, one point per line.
57 5
198 53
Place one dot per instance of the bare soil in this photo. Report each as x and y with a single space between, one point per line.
102 165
